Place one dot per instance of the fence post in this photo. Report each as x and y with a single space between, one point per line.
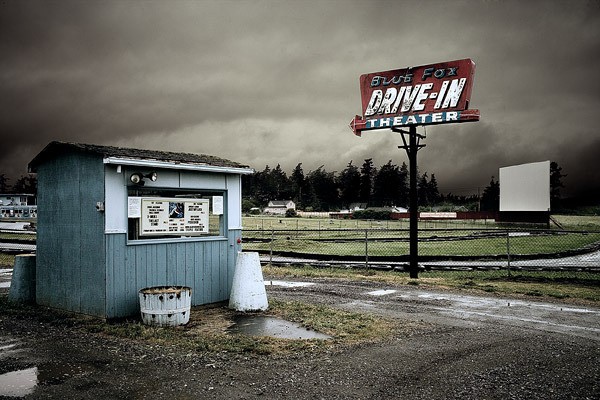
271 248
508 251
366 248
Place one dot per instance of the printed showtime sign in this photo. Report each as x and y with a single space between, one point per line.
425 95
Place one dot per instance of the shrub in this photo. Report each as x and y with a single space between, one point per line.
371 214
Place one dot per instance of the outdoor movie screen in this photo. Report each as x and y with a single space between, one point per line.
525 187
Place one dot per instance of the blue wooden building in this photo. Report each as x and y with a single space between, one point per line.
114 220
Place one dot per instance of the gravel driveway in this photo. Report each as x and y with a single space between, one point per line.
467 347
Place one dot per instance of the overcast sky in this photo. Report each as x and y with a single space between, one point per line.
268 82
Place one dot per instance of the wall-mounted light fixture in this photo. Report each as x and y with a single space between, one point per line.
137 178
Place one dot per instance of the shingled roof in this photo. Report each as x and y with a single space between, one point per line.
54 148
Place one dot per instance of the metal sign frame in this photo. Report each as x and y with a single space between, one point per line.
406 98
425 95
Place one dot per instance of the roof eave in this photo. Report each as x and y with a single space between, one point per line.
177 165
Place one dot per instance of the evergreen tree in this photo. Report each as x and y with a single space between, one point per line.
349 184
555 184
490 199
281 184
26 184
423 190
433 192
324 189
404 192
367 173
387 185
264 191
298 182
4 183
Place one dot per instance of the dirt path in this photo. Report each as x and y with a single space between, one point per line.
471 348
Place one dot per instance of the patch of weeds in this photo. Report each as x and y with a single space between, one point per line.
207 330
489 288
535 293
342 325
563 284
559 295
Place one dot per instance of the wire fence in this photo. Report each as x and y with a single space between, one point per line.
16 237
507 251
8 251
384 245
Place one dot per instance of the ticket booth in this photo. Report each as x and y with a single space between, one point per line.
114 220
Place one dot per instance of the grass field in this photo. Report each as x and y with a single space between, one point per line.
548 244
539 284
437 238
568 222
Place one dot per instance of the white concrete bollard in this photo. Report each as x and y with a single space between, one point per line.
22 285
248 289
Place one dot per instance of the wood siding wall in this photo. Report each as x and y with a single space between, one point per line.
70 238
83 268
206 266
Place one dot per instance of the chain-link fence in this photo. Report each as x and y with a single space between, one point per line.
457 250
13 243
7 256
443 246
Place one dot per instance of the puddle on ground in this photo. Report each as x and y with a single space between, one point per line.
260 325
382 292
19 383
288 284
23 382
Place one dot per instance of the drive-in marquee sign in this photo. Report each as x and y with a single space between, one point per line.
425 95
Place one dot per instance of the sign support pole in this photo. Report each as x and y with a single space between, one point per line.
412 148
430 94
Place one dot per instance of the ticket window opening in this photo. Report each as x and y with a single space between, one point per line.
168 214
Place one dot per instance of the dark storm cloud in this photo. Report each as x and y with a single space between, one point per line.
267 82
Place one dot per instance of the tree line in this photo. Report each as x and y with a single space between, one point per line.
26 184
321 190
371 186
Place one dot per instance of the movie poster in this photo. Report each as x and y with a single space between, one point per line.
176 216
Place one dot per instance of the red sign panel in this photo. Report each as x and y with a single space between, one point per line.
424 95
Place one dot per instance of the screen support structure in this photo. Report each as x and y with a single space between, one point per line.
412 147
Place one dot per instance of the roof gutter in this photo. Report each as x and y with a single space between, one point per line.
176 165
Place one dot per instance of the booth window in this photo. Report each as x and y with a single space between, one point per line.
169 213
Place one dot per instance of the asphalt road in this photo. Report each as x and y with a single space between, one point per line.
449 307
465 346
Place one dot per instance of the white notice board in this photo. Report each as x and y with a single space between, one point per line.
173 216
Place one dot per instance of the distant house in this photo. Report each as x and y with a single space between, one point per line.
17 206
393 209
279 207
14 199
357 206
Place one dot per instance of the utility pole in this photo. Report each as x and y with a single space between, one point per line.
412 148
